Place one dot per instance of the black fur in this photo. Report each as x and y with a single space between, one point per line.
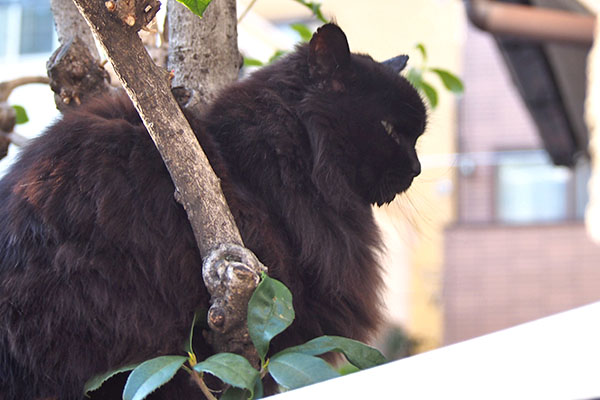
98 264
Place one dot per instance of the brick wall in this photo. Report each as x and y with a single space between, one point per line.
496 276
499 276
492 118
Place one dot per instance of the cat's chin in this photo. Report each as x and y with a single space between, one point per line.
389 190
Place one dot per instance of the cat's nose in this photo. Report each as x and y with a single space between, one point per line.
415 167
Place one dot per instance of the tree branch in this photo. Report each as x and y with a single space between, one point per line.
8 116
74 68
75 74
197 187
203 54
7 87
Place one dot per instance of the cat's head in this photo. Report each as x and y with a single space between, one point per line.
365 117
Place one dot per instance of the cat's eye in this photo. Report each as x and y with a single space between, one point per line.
389 129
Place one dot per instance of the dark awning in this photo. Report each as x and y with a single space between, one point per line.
549 73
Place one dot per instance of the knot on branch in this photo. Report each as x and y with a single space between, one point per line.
4 142
191 101
8 119
136 14
75 74
231 273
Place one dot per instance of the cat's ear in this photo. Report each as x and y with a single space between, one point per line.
329 52
397 63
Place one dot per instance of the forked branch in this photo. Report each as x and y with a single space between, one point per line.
115 27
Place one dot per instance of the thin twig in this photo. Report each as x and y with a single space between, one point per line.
246 11
200 382
17 139
7 87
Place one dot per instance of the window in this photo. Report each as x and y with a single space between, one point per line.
8 26
530 189
37 28
26 27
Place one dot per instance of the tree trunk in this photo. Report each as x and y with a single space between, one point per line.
203 53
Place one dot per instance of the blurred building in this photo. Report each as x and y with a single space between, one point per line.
518 249
491 234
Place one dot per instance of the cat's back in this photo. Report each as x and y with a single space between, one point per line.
93 174
90 227
106 128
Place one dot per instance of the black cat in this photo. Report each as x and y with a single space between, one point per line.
98 264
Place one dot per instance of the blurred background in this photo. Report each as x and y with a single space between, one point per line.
493 232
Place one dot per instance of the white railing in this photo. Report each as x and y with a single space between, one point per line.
557 357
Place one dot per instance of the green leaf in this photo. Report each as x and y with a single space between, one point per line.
252 62
233 393
198 320
450 81
430 93
270 312
21 114
150 375
421 48
347 369
276 55
415 77
315 8
303 31
196 6
259 392
97 381
189 348
232 369
294 370
357 353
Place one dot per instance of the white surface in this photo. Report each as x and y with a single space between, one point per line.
557 357
37 99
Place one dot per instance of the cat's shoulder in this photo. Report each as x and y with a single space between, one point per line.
102 126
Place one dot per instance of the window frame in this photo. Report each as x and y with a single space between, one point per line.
14 28
571 192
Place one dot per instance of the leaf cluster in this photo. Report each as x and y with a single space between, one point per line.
303 31
418 77
305 35
315 8
270 312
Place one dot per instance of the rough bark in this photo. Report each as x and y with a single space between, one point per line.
230 271
74 69
7 87
203 53
75 74
8 118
